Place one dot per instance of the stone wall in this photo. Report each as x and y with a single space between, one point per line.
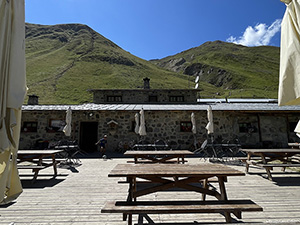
262 129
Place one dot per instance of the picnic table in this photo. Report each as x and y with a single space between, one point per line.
161 156
150 146
269 158
36 160
166 177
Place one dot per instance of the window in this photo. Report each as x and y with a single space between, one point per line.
114 98
176 98
247 128
29 127
186 126
56 125
153 98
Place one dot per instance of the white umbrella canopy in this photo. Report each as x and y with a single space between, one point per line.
67 129
137 123
210 126
142 128
13 91
297 129
194 129
289 73
193 120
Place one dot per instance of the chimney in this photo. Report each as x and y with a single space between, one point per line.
146 83
33 100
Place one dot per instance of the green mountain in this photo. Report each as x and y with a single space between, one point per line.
234 70
64 61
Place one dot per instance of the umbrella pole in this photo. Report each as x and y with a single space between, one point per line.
211 136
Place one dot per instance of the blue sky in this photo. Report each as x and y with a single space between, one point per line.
153 29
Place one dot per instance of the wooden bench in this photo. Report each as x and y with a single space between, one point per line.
33 167
283 165
244 159
142 208
149 161
271 165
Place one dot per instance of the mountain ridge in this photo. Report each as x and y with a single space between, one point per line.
66 60
230 66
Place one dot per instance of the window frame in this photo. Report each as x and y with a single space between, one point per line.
114 98
176 98
186 126
30 129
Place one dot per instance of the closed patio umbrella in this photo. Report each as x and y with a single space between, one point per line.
67 129
210 126
193 120
194 129
137 123
142 128
289 74
13 91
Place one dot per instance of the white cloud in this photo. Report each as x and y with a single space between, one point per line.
259 35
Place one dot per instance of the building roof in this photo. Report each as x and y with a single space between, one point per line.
143 89
167 107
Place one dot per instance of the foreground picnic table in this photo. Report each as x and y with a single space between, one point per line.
158 156
163 177
36 160
270 158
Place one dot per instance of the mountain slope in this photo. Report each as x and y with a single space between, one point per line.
236 70
64 61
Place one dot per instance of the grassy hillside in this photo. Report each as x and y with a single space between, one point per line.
234 70
64 61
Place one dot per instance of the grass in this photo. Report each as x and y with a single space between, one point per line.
64 61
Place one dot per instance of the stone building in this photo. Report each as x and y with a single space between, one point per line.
145 95
254 124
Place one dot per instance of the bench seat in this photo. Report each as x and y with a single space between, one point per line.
250 162
149 161
280 165
178 207
34 167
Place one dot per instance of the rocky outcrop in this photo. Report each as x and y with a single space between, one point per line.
175 65
213 75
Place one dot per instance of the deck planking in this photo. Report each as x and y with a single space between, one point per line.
76 196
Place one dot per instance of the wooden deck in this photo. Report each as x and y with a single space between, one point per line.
76 196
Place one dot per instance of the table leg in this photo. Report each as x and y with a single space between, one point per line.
134 187
247 162
129 219
224 197
54 165
222 188
263 159
36 171
205 185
